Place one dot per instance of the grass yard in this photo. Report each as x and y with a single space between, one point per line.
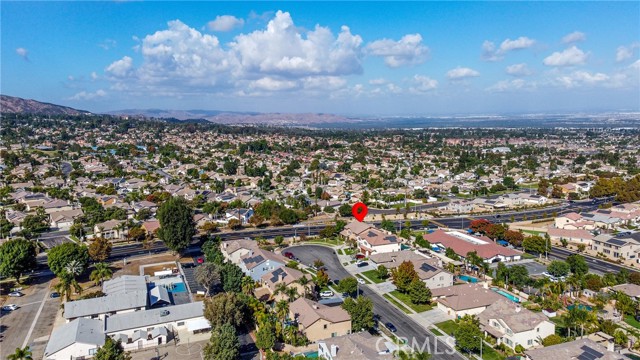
488 353
405 298
449 326
397 304
437 332
629 319
332 241
373 276
531 232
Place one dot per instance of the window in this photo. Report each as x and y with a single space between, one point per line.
181 323
92 351
529 342
334 334
538 329
325 326
150 328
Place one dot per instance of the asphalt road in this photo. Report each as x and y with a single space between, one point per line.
406 326
595 264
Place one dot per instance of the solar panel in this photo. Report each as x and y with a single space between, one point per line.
390 238
616 242
589 353
427 267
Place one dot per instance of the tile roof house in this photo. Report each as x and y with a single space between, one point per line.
356 346
460 300
514 325
631 290
581 349
319 321
621 247
429 269
259 262
373 241
578 236
233 250
463 243
287 276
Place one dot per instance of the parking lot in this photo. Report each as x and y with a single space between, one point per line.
33 320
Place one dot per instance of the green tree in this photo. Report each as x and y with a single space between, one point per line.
226 308
558 268
349 285
60 256
322 278
17 257
231 277
266 335
382 272
223 344
419 292
67 285
100 272
552 339
207 275
100 249
577 264
112 350
361 312
77 230
345 210
468 334
451 254
176 224
21 354
403 275
625 304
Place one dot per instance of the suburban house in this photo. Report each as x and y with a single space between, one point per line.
234 250
514 325
319 321
356 346
621 247
603 219
462 244
124 294
243 215
259 262
150 227
583 349
290 278
111 229
76 340
354 228
578 236
631 290
64 219
573 221
429 269
466 299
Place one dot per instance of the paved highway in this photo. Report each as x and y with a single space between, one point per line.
407 327
595 264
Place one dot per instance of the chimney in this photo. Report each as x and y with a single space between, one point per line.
334 350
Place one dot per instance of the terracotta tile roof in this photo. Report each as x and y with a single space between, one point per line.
308 312
467 296
462 244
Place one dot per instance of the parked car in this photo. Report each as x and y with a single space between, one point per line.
361 281
54 295
362 263
16 294
360 256
327 293
289 255
391 327
10 307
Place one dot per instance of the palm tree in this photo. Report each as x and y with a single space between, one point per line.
74 268
304 282
575 283
282 310
101 271
248 285
292 293
67 285
21 354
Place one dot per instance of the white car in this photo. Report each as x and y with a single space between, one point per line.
10 307
327 293
16 294
361 281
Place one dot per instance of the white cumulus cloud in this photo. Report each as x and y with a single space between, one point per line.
23 53
492 53
518 70
578 78
84 95
510 85
626 52
422 84
225 23
120 68
460 73
409 50
568 57
573 37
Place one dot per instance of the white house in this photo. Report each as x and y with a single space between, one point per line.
513 325
75 340
374 241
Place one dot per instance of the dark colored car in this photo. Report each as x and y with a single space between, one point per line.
289 255
362 264
391 327
54 295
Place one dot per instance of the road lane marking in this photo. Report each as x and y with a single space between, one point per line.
35 320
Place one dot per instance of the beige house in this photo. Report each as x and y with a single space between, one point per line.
467 299
290 278
429 269
514 325
577 349
619 248
112 230
578 236
234 250
319 321
356 346
573 221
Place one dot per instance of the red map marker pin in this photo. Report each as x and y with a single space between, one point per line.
359 211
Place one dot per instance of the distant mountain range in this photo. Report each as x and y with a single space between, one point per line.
16 105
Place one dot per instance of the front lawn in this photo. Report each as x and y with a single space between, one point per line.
373 276
449 326
629 319
405 298
488 353
396 303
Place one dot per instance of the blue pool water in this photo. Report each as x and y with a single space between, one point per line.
311 355
507 295
469 279
580 306
179 288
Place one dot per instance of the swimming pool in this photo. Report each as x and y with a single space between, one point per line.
507 295
311 354
468 279
580 306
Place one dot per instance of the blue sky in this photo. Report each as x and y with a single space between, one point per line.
391 58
